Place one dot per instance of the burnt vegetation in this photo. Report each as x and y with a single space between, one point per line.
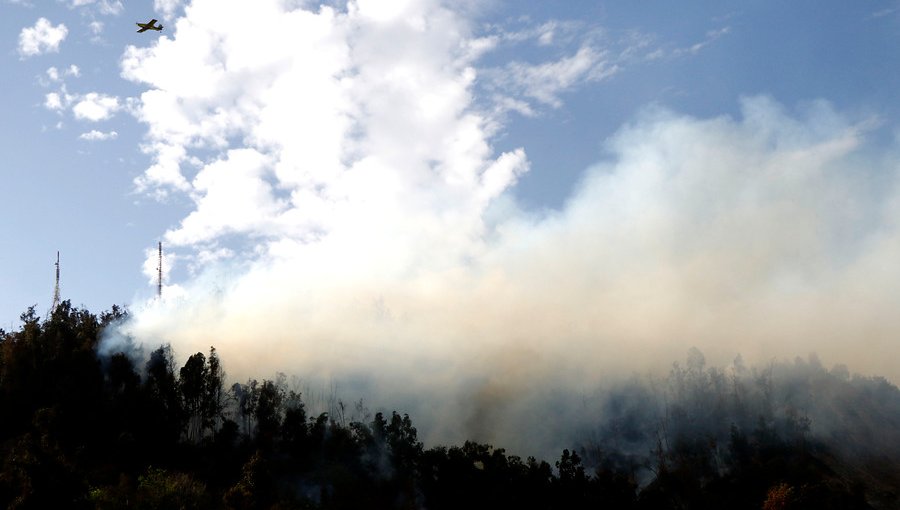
127 430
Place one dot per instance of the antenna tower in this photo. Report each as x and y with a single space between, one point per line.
56 287
159 274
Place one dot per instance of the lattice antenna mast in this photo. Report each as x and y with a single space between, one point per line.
159 274
56 287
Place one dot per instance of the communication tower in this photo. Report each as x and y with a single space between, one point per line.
56 287
159 274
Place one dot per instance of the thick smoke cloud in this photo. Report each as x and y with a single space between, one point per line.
353 223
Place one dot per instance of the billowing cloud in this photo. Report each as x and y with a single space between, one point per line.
321 109
41 38
95 107
351 220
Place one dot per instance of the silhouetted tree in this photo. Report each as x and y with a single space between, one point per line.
214 387
164 410
294 428
246 396
268 412
192 384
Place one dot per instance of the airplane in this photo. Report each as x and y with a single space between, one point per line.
150 25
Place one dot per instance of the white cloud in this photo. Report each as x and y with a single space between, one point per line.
96 27
585 54
41 38
59 101
232 198
711 37
291 86
107 7
98 136
546 81
589 54
890 11
168 8
551 32
53 101
95 107
55 75
114 8
546 38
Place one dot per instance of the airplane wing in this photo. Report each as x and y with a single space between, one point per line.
148 26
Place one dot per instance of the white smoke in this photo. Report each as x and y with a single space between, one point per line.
354 222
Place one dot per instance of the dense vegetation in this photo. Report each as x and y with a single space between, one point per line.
83 430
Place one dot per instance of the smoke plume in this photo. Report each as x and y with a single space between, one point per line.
352 222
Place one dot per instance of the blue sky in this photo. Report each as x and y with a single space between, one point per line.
497 146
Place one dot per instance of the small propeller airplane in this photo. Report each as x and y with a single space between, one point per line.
150 25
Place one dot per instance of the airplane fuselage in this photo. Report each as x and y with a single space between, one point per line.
151 25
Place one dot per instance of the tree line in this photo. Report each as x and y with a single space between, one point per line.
83 430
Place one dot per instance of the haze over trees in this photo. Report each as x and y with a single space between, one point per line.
80 429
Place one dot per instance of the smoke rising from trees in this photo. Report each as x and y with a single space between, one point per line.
768 236
93 430
352 222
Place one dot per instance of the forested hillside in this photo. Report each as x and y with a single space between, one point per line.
84 430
